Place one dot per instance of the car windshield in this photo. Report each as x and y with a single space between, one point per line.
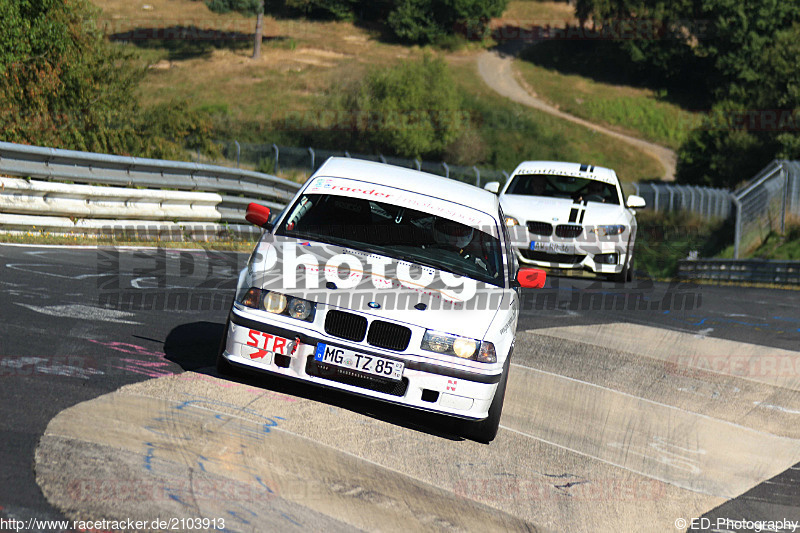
554 186
397 232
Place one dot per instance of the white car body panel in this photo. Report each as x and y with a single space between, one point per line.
570 252
463 388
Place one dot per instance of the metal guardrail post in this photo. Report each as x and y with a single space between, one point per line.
383 159
671 192
446 170
238 152
737 234
477 176
655 194
277 155
785 198
418 163
311 151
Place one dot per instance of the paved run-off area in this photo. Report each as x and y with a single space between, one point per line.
616 427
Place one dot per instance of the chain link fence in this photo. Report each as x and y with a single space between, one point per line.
763 204
704 201
274 158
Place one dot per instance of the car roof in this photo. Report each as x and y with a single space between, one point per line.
411 180
561 168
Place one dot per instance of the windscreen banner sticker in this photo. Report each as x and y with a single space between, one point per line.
435 206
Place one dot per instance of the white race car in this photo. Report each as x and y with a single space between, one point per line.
570 216
388 283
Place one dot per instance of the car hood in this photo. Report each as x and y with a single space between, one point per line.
557 210
412 294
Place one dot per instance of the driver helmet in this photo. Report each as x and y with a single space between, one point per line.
451 233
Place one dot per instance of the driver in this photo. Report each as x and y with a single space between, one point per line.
595 191
451 234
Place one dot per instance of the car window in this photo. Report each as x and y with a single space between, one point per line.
553 186
397 232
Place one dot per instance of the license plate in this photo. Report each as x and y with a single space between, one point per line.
553 247
369 364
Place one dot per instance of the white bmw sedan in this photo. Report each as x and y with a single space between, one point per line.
386 283
570 216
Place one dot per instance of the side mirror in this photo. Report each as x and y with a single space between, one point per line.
635 202
492 186
531 278
258 215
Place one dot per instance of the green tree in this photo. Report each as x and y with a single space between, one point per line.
743 56
61 84
425 21
246 7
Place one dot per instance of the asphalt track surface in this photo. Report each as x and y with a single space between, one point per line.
628 409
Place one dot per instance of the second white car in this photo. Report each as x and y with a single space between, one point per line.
570 216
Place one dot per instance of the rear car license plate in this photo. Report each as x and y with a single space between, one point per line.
553 247
369 364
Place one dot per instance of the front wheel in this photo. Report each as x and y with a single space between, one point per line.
485 430
627 270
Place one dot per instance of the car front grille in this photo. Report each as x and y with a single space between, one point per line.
388 335
346 325
568 231
355 379
572 259
540 228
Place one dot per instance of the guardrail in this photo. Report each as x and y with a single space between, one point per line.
106 191
741 270
704 201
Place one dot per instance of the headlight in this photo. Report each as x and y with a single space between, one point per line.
462 347
252 298
616 229
275 302
279 304
487 353
511 221
300 309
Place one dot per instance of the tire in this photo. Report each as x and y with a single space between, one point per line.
224 367
629 277
485 430
627 270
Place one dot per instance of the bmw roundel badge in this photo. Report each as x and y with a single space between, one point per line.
374 305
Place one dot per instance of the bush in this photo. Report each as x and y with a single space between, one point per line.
663 239
411 110
426 21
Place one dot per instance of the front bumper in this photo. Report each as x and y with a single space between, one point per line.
424 385
593 259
